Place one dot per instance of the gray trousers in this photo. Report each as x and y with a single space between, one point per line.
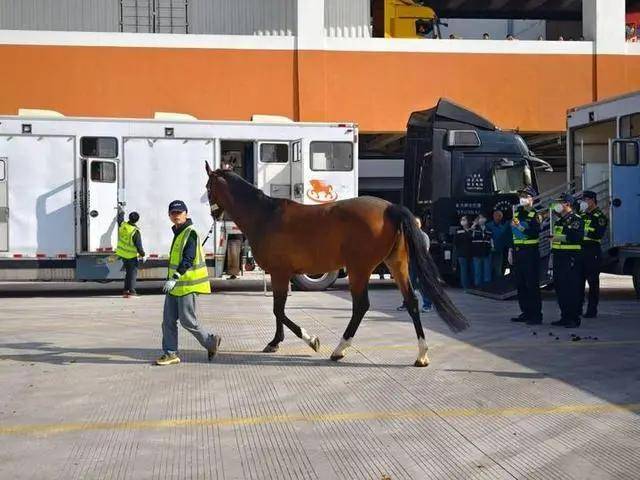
183 309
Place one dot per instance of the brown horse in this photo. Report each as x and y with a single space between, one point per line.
289 238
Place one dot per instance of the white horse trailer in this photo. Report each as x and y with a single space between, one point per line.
62 180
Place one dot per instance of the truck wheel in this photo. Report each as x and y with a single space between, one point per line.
636 277
314 283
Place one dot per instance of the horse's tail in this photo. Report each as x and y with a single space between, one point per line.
426 269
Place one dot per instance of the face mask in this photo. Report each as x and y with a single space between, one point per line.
557 208
584 206
482 221
524 202
464 223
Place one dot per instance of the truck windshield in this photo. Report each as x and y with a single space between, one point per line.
509 176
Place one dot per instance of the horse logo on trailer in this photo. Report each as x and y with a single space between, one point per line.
321 192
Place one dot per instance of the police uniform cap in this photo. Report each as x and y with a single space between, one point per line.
529 190
589 194
566 198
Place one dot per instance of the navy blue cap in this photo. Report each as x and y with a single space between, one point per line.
589 194
566 198
178 206
528 190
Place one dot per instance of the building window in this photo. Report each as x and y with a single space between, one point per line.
154 16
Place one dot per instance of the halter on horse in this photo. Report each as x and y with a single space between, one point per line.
289 238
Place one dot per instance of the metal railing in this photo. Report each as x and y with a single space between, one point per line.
154 16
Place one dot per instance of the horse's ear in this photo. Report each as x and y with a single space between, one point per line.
208 168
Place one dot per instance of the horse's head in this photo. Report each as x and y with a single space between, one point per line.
217 191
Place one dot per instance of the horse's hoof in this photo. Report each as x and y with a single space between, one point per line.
315 344
335 358
421 363
270 348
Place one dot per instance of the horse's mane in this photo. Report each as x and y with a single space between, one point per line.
247 193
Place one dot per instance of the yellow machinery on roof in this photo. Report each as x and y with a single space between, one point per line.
404 19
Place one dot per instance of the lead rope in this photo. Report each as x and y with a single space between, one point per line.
209 233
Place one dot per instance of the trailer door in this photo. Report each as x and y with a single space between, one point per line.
102 202
297 179
160 170
273 168
4 205
624 156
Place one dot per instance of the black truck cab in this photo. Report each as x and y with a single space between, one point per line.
458 163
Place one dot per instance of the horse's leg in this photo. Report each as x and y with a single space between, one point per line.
274 344
399 268
358 283
280 287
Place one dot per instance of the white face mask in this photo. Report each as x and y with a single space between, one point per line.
464 223
524 202
558 208
482 221
584 206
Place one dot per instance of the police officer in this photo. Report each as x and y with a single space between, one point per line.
525 258
595 226
129 250
566 247
187 277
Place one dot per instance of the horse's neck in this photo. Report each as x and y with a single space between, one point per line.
249 211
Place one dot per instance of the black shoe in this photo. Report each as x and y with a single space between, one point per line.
534 322
572 324
559 323
520 319
590 314
215 344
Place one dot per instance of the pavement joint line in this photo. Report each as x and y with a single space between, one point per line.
60 428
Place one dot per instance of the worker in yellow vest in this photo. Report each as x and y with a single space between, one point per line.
129 250
186 279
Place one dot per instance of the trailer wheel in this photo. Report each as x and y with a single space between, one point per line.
314 283
636 277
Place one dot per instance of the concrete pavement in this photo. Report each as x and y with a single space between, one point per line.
80 398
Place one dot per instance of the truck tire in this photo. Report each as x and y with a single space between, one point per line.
636 277
314 283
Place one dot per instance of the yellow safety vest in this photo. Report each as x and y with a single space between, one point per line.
126 249
560 245
520 238
588 229
194 280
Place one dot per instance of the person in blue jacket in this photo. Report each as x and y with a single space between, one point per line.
501 235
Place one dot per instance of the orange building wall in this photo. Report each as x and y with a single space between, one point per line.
136 82
378 90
